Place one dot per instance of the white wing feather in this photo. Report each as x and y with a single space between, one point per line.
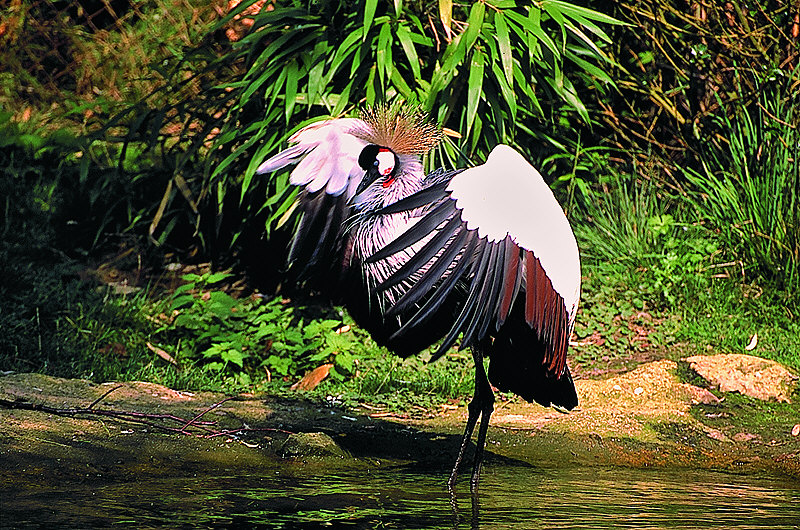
326 155
507 196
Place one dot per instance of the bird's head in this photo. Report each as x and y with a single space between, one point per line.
381 165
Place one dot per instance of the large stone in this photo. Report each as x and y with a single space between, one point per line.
752 376
311 444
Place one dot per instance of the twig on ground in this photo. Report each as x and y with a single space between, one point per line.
191 427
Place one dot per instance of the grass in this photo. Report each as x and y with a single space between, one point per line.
658 283
749 184
727 318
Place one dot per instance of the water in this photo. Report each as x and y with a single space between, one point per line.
510 497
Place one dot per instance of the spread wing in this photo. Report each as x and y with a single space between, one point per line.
327 171
326 155
498 230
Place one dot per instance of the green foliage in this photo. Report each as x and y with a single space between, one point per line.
54 323
30 170
66 64
708 97
238 337
725 318
497 72
629 223
480 78
655 279
619 323
70 191
748 189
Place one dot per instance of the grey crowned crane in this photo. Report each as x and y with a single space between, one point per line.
485 254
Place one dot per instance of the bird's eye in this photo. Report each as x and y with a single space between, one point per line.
375 163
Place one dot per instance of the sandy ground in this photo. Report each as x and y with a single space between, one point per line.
646 417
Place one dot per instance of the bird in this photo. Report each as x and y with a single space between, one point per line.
482 255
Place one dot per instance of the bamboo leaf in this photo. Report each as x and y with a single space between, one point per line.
344 99
505 89
453 55
588 67
554 11
586 40
291 89
404 36
578 12
400 84
241 149
524 85
446 17
240 8
369 15
570 95
531 26
165 199
345 50
315 73
504 43
475 86
370 88
384 53
474 24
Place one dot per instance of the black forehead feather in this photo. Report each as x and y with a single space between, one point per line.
367 156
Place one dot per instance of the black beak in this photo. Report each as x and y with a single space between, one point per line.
367 161
369 177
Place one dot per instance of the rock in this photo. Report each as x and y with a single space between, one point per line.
752 376
311 444
702 396
651 388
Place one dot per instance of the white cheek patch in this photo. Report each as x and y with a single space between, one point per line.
385 159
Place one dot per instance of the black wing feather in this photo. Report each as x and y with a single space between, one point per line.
438 297
478 270
423 228
318 239
429 278
495 291
423 255
486 287
424 197
512 275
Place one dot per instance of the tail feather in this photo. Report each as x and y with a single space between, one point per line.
516 364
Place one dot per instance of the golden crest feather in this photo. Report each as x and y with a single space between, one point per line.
404 131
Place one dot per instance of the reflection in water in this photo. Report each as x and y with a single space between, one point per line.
510 497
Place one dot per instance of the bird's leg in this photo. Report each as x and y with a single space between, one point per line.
485 402
482 404
472 419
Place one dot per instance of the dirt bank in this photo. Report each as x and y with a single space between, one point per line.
647 417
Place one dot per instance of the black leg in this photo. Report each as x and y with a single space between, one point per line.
472 419
481 406
485 398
